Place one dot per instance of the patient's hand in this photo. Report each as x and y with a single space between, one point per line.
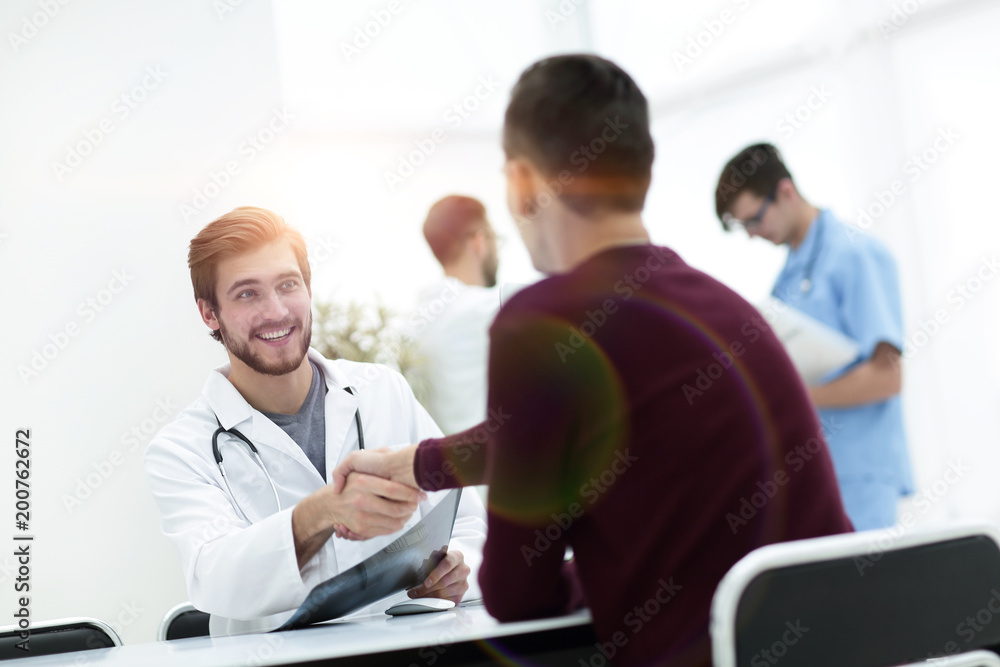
393 465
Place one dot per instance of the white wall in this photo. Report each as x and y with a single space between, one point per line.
352 120
98 551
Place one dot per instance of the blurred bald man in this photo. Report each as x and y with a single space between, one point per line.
454 315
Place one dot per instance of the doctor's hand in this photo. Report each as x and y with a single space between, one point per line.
448 581
367 506
370 506
395 465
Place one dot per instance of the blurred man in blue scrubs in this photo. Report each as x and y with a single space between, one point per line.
847 280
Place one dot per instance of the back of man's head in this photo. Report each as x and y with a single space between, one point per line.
241 230
584 124
449 224
756 169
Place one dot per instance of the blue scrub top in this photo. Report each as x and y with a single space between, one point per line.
846 279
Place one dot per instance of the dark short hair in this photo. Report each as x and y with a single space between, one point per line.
450 221
756 169
584 123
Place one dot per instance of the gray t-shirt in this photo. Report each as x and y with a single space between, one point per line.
307 427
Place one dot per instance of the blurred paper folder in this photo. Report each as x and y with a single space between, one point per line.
815 348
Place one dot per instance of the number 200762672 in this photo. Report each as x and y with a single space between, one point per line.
22 471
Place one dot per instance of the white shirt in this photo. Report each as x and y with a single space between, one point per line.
452 331
244 574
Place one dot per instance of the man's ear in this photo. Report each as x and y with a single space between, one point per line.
521 188
478 243
787 190
208 315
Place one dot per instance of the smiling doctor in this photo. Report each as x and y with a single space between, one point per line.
241 476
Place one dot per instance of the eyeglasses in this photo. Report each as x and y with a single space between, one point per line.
751 223
498 239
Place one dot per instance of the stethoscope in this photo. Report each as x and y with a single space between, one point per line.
807 283
256 455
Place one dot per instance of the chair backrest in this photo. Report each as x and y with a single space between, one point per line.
183 621
864 599
971 659
57 636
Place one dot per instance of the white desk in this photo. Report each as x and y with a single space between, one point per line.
428 638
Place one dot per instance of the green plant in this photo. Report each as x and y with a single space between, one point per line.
369 333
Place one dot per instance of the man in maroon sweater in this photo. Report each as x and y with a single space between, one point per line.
641 412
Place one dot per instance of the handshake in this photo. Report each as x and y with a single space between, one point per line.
380 491
378 494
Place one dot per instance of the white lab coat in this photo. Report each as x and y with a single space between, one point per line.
246 575
451 327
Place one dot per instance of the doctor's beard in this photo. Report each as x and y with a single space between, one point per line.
242 350
490 266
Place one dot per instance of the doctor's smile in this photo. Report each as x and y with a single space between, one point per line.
275 336
264 314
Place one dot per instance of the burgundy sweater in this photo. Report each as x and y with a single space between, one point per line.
645 415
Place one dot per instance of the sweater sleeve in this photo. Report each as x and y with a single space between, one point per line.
453 461
543 387
543 439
